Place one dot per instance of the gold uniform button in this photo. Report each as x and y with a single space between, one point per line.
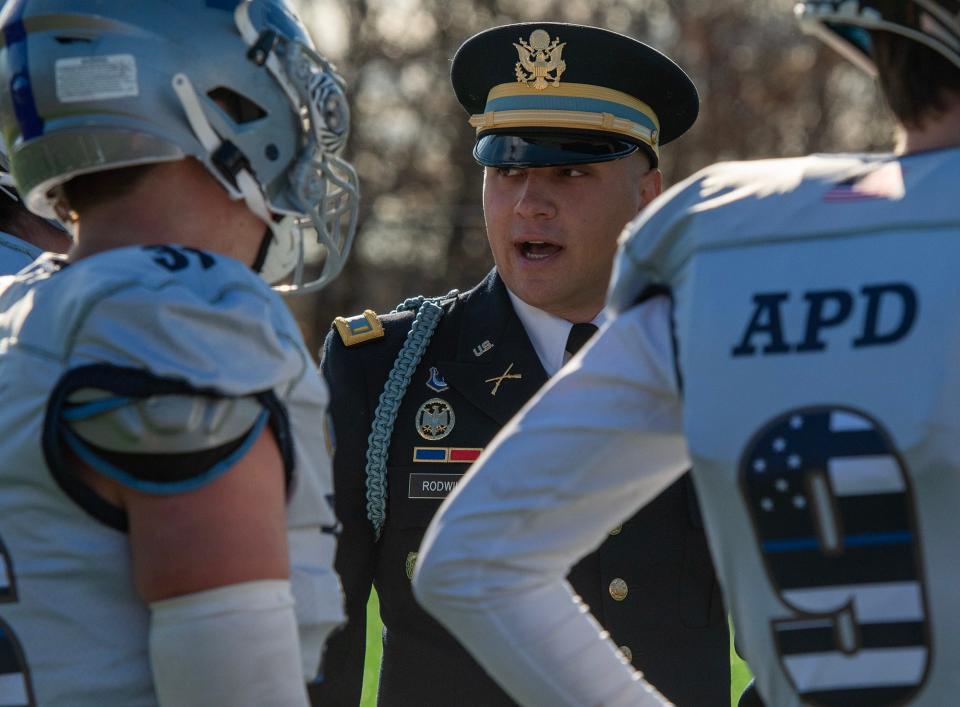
627 653
618 589
410 564
616 531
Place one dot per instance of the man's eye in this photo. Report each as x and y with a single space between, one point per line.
509 171
572 172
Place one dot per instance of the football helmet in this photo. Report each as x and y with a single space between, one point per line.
9 188
236 84
845 25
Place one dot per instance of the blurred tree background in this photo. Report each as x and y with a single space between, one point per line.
766 91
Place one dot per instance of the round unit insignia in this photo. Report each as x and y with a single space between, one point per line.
435 419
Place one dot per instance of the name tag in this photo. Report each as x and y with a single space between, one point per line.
433 485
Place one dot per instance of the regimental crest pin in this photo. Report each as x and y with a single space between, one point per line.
435 419
436 382
540 64
410 565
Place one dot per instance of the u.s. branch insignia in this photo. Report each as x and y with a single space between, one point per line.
435 419
540 64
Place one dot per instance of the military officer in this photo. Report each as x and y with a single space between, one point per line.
569 120
824 447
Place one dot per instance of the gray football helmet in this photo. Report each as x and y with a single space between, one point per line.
236 84
9 188
845 25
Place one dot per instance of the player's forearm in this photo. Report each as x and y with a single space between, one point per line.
599 442
491 570
541 645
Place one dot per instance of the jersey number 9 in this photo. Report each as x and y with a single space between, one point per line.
834 517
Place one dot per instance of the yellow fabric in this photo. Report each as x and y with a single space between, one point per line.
575 90
577 120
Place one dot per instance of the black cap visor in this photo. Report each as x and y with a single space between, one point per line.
517 149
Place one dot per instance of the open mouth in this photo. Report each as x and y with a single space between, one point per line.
538 250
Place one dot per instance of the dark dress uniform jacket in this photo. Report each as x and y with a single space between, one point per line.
651 584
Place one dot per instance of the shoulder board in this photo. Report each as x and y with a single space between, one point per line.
360 328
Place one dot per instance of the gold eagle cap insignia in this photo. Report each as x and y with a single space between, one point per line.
541 62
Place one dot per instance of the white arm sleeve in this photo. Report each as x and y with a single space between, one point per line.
603 438
234 646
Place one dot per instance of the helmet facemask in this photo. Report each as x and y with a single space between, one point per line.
311 212
323 187
845 25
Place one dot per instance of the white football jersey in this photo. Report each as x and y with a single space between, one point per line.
815 310
127 336
15 254
811 305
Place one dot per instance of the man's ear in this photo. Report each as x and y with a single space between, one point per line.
651 186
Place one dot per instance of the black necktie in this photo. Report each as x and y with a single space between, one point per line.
579 335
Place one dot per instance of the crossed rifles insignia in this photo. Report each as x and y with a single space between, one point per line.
540 64
498 380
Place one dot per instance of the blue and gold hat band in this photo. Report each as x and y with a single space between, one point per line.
572 106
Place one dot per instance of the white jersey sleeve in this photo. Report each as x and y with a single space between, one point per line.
601 439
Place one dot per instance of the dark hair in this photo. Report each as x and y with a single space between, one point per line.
916 80
88 190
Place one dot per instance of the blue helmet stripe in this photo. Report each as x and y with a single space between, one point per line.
21 89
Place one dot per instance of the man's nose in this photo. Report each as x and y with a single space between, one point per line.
536 199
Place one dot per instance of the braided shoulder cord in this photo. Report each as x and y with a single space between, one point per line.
429 313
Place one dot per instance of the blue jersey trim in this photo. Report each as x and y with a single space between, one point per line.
21 87
864 540
85 411
88 456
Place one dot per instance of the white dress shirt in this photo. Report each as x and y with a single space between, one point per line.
548 333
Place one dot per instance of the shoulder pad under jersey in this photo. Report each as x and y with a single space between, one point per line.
727 205
174 312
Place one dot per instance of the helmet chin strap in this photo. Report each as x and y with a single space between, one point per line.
261 258
232 170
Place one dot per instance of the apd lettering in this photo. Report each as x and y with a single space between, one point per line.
827 309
